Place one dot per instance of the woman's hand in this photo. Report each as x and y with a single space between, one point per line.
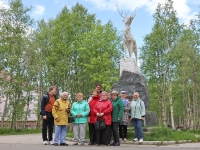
67 110
57 119
101 114
78 115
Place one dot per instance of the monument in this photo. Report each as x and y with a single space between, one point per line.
131 79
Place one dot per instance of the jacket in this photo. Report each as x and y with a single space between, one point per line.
118 110
92 104
80 108
137 109
59 111
127 107
104 106
44 101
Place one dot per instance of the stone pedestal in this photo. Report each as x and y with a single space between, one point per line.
150 119
128 64
132 80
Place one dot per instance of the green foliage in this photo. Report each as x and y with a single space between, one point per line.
80 52
73 51
167 134
7 131
16 56
170 56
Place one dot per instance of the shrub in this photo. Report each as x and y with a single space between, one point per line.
167 134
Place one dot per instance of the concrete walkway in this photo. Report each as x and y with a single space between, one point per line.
37 139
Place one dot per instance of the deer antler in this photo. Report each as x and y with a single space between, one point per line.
121 14
134 13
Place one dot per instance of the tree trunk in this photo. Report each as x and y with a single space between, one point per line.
189 112
27 110
4 111
171 106
184 103
164 114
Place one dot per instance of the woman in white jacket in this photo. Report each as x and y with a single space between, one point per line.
137 114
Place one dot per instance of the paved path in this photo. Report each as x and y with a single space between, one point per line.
34 142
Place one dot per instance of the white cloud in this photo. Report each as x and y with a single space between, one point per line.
39 10
3 4
184 12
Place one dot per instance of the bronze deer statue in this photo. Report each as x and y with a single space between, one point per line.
129 41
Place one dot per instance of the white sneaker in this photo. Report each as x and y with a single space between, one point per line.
141 140
135 139
51 142
120 139
45 143
124 139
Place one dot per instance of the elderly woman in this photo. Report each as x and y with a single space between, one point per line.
80 111
103 110
137 114
125 118
92 117
60 113
117 113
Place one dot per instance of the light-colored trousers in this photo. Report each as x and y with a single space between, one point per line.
79 129
60 133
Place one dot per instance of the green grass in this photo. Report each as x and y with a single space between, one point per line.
8 131
167 134
157 134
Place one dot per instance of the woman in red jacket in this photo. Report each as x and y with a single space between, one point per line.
103 110
92 119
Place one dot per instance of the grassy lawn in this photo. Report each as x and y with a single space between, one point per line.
167 134
157 134
7 131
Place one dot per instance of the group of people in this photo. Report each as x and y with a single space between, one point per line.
112 107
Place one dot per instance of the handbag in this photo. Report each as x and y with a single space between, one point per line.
100 124
70 119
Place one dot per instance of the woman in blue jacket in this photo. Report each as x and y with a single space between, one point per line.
80 111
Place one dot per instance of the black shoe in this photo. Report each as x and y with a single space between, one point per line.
63 144
113 144
117 144
55 144
76 143
91 143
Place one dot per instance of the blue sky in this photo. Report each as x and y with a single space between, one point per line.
105 10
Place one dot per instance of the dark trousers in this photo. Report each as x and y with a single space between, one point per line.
103 136
92 132
115 126
122 131
48 124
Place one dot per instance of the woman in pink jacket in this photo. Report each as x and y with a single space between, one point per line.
103 110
